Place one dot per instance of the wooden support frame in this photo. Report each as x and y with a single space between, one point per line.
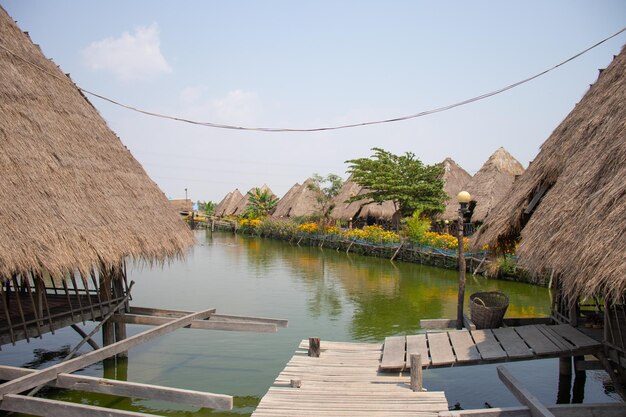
236 326
127 389
30 381
537 409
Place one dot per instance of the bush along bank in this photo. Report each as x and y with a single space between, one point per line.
424 247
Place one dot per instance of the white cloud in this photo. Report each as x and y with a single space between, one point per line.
130 57
237 107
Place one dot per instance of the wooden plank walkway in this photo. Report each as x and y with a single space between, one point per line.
345 381
463 347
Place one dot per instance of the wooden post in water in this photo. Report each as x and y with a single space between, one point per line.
416 372
314 347
108 330
120 327
565 380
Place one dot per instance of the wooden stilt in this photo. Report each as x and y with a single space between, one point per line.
314 346
416 372
565 380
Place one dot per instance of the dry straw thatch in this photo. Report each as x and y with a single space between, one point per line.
455 180
360 209
181 204
578 229
491 183
241 205
227 206
300 200
73 196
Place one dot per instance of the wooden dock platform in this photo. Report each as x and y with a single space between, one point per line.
472 347
345 381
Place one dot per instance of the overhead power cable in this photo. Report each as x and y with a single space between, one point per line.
338 127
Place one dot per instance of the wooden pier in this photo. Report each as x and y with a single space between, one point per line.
473 347
345 381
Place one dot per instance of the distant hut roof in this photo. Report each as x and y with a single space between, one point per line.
284 204
181 204
73 196
346 211
299 201
243 203
491 183
455 179
227 206
383 211
360 208
577 229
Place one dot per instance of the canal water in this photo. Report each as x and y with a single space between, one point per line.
323 293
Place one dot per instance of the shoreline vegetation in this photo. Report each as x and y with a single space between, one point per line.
424 247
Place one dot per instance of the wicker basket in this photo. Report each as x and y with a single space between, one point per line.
488 308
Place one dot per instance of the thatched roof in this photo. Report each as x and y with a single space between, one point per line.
242 204
360 208
284 204
227 206
455 180
72 195
181 204
492 182
383 211
577 230
347 211
299 201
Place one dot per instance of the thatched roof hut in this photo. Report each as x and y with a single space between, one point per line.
455 180
568 207
361 209
492 182
73 197
241 205
347 211
300 200
227 206
180 205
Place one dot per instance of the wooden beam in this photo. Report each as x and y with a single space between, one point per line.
559 410
51 408
30 381
159 312
537 409
437 324
127 389
198 324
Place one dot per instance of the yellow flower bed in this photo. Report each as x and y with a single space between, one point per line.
308 228
249 223
374 234
443 241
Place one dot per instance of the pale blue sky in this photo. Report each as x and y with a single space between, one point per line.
309 64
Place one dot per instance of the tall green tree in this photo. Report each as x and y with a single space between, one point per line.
403 179
260 203
207 207
326 188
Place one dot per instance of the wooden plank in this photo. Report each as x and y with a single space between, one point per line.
512 343
464 347
468 323
487 345
561 343
559 410
198 324
149 311
537 341
41 377
537 409
437 324
128 389
393 353
440 349
248 319
417 344
51 408
574 336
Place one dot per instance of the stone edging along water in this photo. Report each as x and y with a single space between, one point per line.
403 251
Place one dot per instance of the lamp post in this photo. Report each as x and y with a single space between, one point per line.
185 194
463 198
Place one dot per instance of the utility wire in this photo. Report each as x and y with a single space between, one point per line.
338 127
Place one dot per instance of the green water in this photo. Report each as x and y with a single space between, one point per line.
322 293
